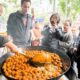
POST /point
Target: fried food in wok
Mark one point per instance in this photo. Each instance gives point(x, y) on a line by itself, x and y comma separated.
point(42, 58)
point(17, 67)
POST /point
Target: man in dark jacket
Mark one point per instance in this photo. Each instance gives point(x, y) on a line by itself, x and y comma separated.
point(20, 24)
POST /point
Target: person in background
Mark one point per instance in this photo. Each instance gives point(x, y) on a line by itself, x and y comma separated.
point(51, 33)
point(67, 37)
point(36, 34)
point(5, 42)
point(76, 47)
point(20, 24)
point(76, 38)
point(67, 43)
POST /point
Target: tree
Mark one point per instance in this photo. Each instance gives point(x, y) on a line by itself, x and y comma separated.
point(69, 8)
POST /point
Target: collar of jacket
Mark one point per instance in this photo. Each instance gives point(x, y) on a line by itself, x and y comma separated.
point(19, 14)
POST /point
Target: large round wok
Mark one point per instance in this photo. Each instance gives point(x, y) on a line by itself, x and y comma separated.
point(65, 60)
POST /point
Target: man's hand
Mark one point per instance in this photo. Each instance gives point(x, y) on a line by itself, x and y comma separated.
point(12, 47)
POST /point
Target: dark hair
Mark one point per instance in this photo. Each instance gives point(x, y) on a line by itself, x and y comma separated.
point(70, 23)
point(56, 15)
point(22, 1)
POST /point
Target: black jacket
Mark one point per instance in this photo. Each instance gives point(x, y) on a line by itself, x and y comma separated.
point(50, 37)
point(56, 39)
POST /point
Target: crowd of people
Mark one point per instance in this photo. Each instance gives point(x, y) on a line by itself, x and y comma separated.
point(23, 32)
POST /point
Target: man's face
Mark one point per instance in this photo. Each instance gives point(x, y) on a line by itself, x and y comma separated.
point(66, 26)
point(26, 7)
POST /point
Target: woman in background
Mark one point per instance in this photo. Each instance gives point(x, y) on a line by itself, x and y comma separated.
point(52, 32)
point(67, 43)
